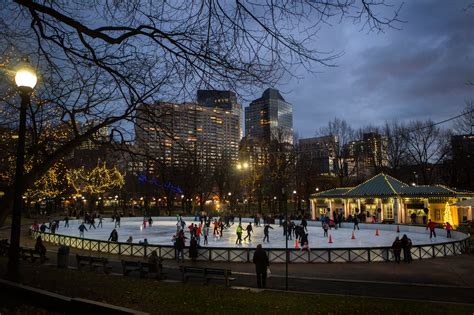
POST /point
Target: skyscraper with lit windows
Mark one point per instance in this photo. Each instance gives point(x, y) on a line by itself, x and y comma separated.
point(269, 117)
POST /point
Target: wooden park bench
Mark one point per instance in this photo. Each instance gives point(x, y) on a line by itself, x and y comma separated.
point(93, 262)
point(31, 254)
point(143, 268)
point(206, 274)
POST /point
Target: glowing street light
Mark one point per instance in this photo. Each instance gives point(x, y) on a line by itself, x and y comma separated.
point(25, 80)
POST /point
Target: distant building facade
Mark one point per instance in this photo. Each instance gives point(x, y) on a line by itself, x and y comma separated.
point(180, 134)
point(269, 117)
point(320, 152)
point(367, 156)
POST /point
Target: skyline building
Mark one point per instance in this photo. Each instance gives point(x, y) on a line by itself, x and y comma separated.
point(182, 134)
point(269, 117)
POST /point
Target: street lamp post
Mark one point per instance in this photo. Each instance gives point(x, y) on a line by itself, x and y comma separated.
point(25, 80)
point(286, 237)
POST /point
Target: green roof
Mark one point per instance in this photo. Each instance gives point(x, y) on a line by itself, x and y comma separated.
point(379, 185)
point(383, 185)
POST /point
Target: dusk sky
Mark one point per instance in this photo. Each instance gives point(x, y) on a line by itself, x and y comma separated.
point(417, 72)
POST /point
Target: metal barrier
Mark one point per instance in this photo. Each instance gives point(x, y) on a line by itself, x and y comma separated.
point(275, 255)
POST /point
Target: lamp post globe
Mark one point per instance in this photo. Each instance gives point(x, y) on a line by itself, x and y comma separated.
point(25, 79)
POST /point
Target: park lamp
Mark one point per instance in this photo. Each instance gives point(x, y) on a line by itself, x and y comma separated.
point(25, 77)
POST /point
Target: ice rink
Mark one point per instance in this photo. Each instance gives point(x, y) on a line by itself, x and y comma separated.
point(161, 233)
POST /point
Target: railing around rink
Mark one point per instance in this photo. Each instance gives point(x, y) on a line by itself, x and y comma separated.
point(276, 255)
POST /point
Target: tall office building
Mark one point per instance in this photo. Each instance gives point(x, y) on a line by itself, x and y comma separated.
point(319, 152)
point(225, 102)
point(181, 134)
point(269, 117)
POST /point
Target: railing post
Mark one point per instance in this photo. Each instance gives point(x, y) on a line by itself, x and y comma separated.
point(368, 254)
point(329, 255)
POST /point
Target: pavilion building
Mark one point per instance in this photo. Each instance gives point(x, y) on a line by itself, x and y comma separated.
point(393, 201)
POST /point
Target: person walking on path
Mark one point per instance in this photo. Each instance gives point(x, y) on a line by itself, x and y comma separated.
point(265, 232)
point(113, 236)
point(249, 230)
point(449, 227)
point(260, 259)
point(356, 223)
point(432, 226)
point(81, 229)
point(406, 246)
point(40, 249)
point(239, 235)
point(397, 249)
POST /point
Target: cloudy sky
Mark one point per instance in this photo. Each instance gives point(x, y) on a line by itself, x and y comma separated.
point(417, 72)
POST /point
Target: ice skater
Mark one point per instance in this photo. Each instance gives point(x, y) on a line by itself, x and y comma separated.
point(325, 228)
point(81, 229)
point(449, 227)
point(265, 232)
point(239, 235)
point(66, 221)
point(206, 233)
point(356, 223)
point(432, 226)
point(113, 236)
point(117, 221)
point(100, 221)
point(249, 230)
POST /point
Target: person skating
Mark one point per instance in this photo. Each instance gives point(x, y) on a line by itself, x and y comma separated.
point(113, 236)
point(66, 221)
point(260, 259)
point(206, 233)
point(397, 248)
point(356, 223)
point(265, 233)
point(117, 221)
point(249, 230)
point(100, 221)
point(304, 223)
point(130, 239)
point(449, 227)
point(406, 246)
point(91, 223)
point(81, 229)
point(325, 228)
point(432, 226)
point(239, 235)
point(150, 221)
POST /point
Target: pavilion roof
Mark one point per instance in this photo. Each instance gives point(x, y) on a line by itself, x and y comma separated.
point(384, 186)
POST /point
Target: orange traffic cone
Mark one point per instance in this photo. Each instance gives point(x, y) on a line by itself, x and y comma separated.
point(330, 239)
point(398, 228)
point(353, 235)
point(296, 244)
point(376, 232)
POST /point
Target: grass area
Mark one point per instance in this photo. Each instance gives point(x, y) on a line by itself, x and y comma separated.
point(158, 297)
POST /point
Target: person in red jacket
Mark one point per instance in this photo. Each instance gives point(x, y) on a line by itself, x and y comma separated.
point(431, 225)
point(449, 227)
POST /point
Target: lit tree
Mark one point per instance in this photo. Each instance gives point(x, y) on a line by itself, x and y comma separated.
point(96, 181)
point(447, 214)
point(52, 184)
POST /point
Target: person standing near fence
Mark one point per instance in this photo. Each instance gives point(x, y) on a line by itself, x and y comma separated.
point(260, 259)
point(406, 246)
point(397, 249)
point(113, 236)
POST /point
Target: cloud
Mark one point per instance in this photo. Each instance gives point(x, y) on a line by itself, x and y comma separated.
point(418, 72)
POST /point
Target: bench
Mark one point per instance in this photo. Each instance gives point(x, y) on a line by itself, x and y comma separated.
point(206, 274)
point(143, 268)
point(93, 262)
point(31, 254)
